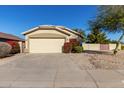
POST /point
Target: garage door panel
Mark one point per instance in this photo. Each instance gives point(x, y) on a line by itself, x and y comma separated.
point(46, 45)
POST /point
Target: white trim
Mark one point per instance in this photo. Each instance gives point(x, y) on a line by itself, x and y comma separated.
point(30, 30)
point(71, 30)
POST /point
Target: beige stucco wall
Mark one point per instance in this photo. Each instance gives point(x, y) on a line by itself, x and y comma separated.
point(21, 47)
point(112, 46)
point(91, 46)
point(97, 46)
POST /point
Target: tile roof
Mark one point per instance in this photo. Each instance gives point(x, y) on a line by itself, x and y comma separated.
point(9, 36)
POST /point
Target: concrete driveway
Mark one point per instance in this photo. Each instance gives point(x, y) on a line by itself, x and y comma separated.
point(55, 70)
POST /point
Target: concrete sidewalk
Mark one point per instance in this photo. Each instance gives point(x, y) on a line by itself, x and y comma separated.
point(56, 70)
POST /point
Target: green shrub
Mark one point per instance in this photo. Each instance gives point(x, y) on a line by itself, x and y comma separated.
point(122, 47)
point(77, 49)
point(5, 49)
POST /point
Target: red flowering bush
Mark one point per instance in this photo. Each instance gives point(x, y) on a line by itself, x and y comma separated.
point(67, 47)
point(74, 42)
point(15, 47)
point(70, 46)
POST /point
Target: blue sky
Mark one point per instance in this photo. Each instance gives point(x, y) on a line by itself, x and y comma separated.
point(17, 19)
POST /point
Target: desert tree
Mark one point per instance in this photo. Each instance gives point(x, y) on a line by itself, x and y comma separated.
point(111, 19)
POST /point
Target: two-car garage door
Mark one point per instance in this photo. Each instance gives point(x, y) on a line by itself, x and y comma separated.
point(39, 45)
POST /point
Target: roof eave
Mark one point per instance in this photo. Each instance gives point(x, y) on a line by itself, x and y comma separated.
point(40, 27)
point(29, 31)
point(52, 27)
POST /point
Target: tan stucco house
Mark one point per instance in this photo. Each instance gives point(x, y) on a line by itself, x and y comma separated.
point(48, 38)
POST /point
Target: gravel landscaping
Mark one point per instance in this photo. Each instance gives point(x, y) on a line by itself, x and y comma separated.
point(104, 61)
point(99, 60)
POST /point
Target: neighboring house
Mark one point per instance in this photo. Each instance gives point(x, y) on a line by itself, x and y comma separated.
point(8, 37)
point(49, 38)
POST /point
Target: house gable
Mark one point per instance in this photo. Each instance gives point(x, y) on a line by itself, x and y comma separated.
point(46, 33)
point(45, 29)
point(60, 29)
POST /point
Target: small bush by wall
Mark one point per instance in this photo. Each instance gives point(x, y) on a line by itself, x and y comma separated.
point(15, 47)
point(5, 49)
point(122, 47)
point(77, 49)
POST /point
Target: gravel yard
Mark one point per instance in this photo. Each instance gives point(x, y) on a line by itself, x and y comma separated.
point(106, 61)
